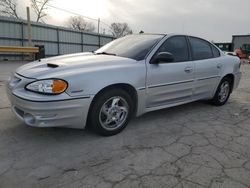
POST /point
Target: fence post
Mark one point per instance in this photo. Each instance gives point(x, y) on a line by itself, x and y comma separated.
point(22, 38)
point(99, 40)
point(82, 41)
point(58, 41)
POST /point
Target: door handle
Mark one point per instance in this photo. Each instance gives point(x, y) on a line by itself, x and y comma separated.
point(188, 69)
point(219, 66)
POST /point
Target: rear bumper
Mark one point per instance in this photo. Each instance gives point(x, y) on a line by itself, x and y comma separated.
point(237, 78)
point(70, 113)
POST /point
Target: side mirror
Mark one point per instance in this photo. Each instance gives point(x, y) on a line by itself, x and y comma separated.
point(162, 57)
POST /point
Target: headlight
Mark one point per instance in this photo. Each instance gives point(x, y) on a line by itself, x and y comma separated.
point(50, 86)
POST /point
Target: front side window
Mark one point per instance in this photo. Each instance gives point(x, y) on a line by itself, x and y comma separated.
point(176, 46)
point(201, 49)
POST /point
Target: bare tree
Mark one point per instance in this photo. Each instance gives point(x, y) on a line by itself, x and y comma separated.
point(9, 8)
point(120, 29)
point(79, 23)
point(40, 7)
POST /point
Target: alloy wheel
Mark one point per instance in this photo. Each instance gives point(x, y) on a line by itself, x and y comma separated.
point(224, 91)
point(113, 113)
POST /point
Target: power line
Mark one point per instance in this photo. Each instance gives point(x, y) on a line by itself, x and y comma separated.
point(105, 24)
point(77, 14)
point(71, 12)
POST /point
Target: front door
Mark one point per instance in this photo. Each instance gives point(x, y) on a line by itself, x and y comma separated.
point(171, 83)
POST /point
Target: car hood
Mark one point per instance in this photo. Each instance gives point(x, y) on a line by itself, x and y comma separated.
point(68, 63)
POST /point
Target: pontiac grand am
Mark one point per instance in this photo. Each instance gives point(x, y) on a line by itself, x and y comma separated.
point(126, 77)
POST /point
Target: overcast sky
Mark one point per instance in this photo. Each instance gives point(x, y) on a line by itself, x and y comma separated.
point(215, 20)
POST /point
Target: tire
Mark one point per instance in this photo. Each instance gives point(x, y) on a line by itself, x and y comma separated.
point(110, 112)
point(221, 96)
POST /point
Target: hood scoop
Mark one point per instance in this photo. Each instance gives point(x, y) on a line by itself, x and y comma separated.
point(52, 65)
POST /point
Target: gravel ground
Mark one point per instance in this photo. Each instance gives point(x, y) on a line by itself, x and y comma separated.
point(193, 145)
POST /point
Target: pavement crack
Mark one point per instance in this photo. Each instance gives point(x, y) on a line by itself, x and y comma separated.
point(1, 108)
point(69, 170)
point(43, 178)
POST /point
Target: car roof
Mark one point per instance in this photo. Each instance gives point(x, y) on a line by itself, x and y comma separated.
point(156, 34)
point(170, 34)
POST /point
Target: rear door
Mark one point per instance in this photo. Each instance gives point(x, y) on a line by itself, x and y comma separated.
point(207, 67)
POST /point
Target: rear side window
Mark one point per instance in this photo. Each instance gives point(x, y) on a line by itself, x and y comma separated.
point(201, 49)
point(176, 46)
point(216, 52)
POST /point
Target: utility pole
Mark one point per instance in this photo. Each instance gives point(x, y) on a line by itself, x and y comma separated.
point(29, 26)
point(98, 27)
point(99, 36)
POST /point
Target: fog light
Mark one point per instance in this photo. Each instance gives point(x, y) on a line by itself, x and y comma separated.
point(29, 119)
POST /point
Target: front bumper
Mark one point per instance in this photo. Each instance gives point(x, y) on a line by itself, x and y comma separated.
point(71, 113)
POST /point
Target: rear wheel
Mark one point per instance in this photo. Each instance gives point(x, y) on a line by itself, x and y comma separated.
point(223, 92)
point(111, 112)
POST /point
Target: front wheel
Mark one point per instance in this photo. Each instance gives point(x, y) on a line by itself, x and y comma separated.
point(223, 92)
point(111, 112)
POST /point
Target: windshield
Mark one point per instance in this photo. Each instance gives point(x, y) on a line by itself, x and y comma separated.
point(131, 46)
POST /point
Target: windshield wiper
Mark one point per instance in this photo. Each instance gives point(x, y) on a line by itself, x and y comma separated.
point(104, 53)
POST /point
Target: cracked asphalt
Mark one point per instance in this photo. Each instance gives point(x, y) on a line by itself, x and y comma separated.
point(193, 145)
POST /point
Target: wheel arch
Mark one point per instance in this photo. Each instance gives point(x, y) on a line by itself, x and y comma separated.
point(124, 86)
point(231, 77)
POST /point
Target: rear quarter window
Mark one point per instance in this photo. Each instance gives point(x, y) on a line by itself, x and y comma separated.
point(216, 52)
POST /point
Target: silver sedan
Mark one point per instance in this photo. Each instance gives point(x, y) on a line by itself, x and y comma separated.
point(129, 76)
